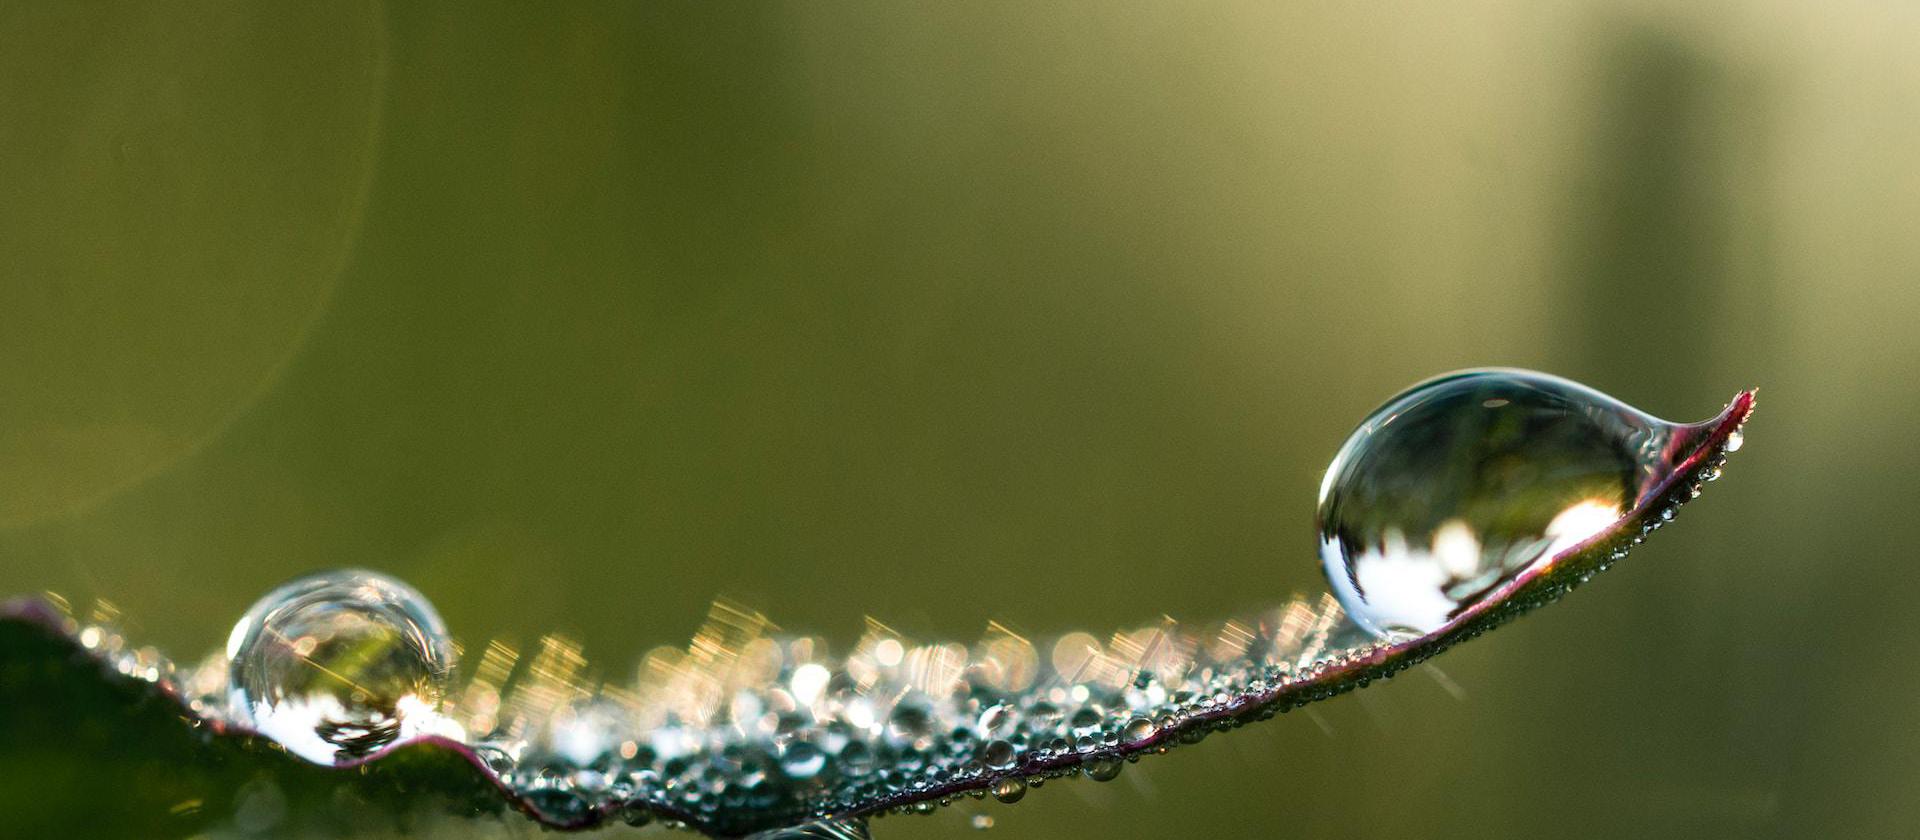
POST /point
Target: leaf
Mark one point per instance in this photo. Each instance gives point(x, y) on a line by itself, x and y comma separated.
point(87, 750)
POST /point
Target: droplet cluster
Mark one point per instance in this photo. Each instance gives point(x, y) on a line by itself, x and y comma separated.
point(744, 727)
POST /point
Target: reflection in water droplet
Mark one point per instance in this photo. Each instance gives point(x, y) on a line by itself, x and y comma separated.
point(1104, 768)
point(802, 761)
point(337, 665)
point(999, 755)
point(1464, 482)
point(1010, 790)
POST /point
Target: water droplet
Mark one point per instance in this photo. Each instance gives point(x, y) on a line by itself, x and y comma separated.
point(999, 755)
point(802, 761)
point(339, 664)
point(911, 725)
point(999, 721)
point(1736, 440)
point(1009, 790)
point(981, 822)
point(1087, 720)
point(1139, 729)
point(1104, 768)
point(1461, 484)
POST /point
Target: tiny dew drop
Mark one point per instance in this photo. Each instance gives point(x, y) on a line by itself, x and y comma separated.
point(338, 664)
point(1463, 483)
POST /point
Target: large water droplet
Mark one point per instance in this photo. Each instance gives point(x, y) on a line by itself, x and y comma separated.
point(1463, 482)
point(339, 664)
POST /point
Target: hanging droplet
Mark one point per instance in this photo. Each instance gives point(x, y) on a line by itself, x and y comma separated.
point(339, 664)
point(1010, 789)
point(1462, 483)
point(1103, 768)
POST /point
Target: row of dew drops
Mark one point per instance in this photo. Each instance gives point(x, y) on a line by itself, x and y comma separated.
point(745, 728)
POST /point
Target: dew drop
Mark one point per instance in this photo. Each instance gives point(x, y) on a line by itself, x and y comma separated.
point(1139, 729)
point(999, 721)
point(999, 755)
point(1104, 768)
point(336, 665)
point(1461, 484)
point(1010, 790)
point(802, 761)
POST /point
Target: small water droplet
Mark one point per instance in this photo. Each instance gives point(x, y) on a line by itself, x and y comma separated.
point(802, 761)
point(1010, 789)
point(981, 822)
point(1104, 768)
point(1736, 440)
point(999, 721)
point(999, 755)
point(1462, 483)
point(1139, 729)
point(339, 664)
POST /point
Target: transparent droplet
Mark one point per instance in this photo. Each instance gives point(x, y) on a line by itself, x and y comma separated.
point(1464, 482)
point(1009, 790)
point(999, 755)
point(339, 664)
point(1104, 768)
point(802, 761)
point(999, 721)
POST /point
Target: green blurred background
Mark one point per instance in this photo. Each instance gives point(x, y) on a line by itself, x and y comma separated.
point(578, 316)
